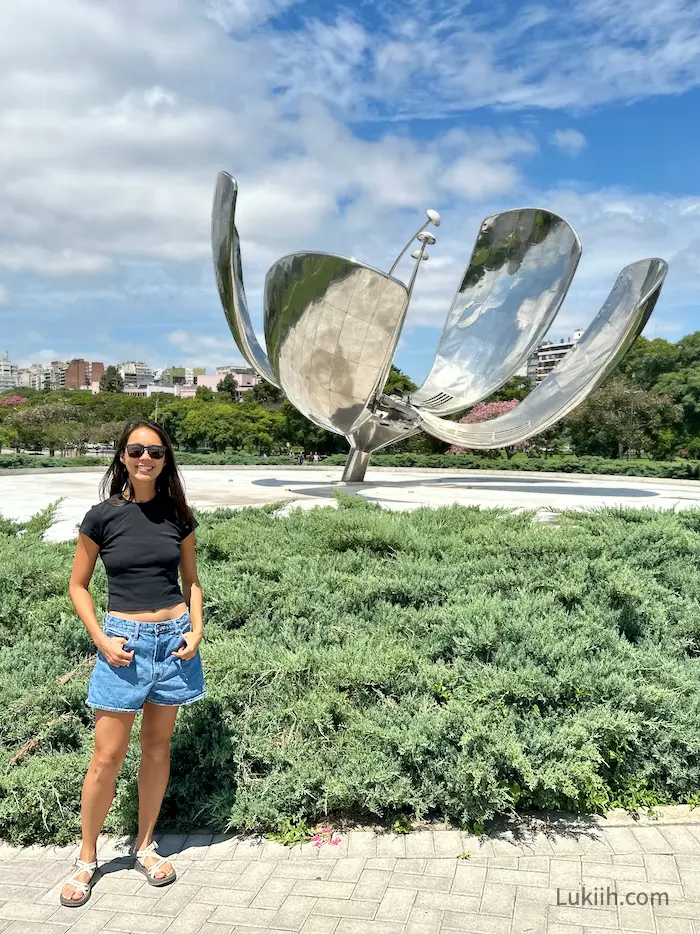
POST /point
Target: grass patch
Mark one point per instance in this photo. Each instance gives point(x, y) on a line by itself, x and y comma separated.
point(452, 663)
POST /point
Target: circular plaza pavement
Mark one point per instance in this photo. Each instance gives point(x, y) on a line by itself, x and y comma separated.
point(24, 492)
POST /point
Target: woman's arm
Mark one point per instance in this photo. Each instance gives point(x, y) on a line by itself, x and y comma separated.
point(86, 552)
point(191, 590)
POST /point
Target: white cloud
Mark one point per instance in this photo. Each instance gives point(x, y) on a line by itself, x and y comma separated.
point(114, 159)
point(199, 349)
point(432, 59)
point(571, 141)
point(44, 356)
point(616, 227)
point(18, 257)
point(4, 295)
point(236, 16)
point(114, 119)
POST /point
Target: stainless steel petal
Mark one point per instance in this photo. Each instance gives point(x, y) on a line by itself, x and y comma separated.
point(607, 339)
point(520, 270)
point(229, 275)
point(331, 326)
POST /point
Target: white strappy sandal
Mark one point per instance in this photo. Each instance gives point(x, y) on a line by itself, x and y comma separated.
point(84, 887)
point(150, 873)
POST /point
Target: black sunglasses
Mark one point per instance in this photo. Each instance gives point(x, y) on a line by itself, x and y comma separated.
point(156, 451)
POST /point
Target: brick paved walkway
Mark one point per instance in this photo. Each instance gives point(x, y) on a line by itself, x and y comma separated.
point(517, 881)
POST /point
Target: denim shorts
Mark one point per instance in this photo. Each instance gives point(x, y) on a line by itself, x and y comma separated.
point(153, 675)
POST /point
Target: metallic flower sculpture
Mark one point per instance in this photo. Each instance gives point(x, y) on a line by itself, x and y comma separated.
point(332, 325)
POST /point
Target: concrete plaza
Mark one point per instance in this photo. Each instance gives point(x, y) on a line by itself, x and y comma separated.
point(526, 878)
point(24, 492)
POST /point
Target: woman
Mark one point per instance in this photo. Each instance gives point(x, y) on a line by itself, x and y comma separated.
point(148, 647)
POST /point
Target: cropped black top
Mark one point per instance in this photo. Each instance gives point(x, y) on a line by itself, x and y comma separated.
point(140, 549)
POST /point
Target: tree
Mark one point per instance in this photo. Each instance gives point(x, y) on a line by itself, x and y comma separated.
point(618, 421)
point(111, 380)
point(482, 412)
point(266, 394)
point(11, 402)
point(228, 387)
point(398, 383)
point(689, 349)
point(648, 360)
point(517, 387)
point(302, 433)
point(24, 391)
point(683, 387)
point(107, 433)
point(35, 424)
point(204, 394)
point(8, 437)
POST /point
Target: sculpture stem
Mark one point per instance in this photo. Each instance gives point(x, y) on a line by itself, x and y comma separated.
point(406, 248)
point(356, 466)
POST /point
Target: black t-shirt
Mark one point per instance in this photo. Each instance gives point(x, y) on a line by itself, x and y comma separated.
point(140, 549)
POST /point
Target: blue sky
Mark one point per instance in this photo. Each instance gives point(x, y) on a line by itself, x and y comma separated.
point(343, 122)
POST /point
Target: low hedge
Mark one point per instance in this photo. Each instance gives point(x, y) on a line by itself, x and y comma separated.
point(450, 663)
point(674, 470)
point(9, 461)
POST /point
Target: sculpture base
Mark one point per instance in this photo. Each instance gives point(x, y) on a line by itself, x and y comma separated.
point(356, 466)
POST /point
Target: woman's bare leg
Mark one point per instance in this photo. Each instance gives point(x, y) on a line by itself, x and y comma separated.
point(156, 730)
point(112, 732)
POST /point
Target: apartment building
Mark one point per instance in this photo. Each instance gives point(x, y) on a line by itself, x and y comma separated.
point(245, 376)
point(9, 375)
point(81, 375)
point(548, 355)
point(135, 373)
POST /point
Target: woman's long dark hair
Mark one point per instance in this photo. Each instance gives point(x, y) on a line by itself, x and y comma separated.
point(168, 482)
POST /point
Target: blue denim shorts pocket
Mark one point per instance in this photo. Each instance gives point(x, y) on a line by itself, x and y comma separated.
point(181, 681)
point(154, 673)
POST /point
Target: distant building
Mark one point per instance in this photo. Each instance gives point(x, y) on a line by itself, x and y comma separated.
point(148, 390)
point(182, 375)
point(43, 376)
point(135, 373)
point(9, 375)
point(80, 374)
point(245, 376)
point(95, 373)
point(211, 382)
point(55, 375)
point(548, 355)
point(32, 376)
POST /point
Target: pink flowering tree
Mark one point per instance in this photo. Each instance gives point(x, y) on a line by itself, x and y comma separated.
point(482, 412)
point(11, 402)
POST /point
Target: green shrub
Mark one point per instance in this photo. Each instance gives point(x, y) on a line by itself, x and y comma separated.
point(446, 663)
point(674, 470)
point(9, 461)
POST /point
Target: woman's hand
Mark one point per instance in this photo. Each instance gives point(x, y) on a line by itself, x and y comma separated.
point(190, 647)
point(112, 647)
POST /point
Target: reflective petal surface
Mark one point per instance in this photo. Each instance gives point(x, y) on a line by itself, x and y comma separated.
point(229, 275)
point(521, 267)
point(332, 325)
point(607, 339)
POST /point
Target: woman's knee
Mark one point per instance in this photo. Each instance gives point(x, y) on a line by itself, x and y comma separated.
point(107, 760)
point(155, 748)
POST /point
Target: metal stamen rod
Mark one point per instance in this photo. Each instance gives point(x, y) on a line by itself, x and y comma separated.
point(433, 218)
point(419, 256)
